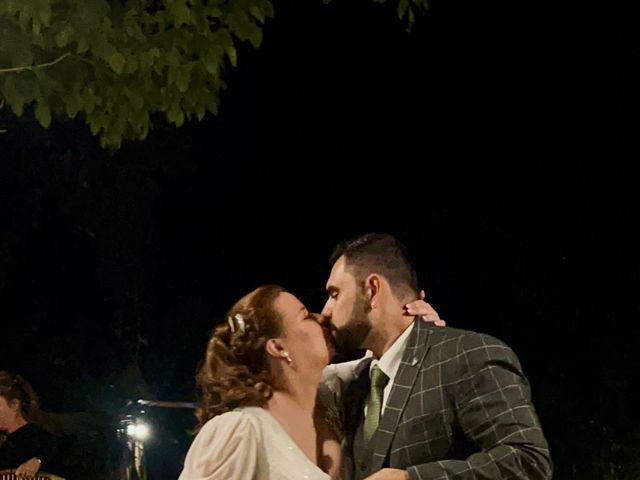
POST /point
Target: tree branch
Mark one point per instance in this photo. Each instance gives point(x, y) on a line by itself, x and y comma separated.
point(33, 67)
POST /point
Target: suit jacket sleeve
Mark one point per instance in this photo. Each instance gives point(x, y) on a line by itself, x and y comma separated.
point(495, 413)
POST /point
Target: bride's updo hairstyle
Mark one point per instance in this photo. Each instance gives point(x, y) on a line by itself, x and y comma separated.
point(235, 371)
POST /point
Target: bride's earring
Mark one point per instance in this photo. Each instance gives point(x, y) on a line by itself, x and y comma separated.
point(288, 357)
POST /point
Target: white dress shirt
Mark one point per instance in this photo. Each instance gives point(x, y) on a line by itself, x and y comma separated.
point(389, 363)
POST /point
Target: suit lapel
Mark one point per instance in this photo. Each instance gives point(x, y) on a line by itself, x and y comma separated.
point(416, 349)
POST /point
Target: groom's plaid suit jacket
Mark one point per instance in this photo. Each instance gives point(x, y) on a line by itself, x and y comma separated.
point(459, 409)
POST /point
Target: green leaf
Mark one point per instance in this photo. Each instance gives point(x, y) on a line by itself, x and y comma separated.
point(116, 62)
point(44, 12)
point(21, 56)
point(175, 115)
point(214, 12)
point(131, 27)
point(182, 79)
point(43, 113)
point(403, 5)
point(200, 111)
point(233, 55)
point(181, 14)
point(64, 36)
point(74, 103)
point(90, 101)
point(146, 59)
point(212, 106)
point(132, 63)
point(241, 25)
point(24, 16)
point(211, 59)
point(256, 37)
point(83, 45)
point(137, 102)
point(12, 95)
point(173, 57)
point(96, 123)
point(180, 119)
point(267, 8)
point(257, 12)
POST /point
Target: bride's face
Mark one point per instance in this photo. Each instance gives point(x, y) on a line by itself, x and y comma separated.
point(303, 336)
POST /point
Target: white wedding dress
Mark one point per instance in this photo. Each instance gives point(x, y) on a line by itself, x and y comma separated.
point(247, 444)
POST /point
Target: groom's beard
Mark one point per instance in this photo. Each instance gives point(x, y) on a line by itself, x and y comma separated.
point(353, 336)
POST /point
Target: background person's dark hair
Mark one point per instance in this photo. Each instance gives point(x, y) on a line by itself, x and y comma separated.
point(235, 371)
point(383, 254)
point(14, 387)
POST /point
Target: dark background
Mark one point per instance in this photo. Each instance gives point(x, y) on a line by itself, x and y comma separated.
point(496, 139)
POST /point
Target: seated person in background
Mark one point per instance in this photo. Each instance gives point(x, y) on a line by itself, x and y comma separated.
point(27, 448)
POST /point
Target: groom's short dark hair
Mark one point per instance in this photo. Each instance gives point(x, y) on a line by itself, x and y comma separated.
point(379, 253)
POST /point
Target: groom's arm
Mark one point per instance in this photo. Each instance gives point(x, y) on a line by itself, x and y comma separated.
point(494, 408)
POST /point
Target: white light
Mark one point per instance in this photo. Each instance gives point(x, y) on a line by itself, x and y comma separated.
point(139, 431)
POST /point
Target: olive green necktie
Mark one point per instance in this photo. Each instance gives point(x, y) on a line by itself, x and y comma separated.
point(374, 402)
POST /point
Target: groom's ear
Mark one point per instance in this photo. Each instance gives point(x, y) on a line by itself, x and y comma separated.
point(274, 347)
point(372, 287)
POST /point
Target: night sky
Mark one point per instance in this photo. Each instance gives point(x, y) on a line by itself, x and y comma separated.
point(496, 139)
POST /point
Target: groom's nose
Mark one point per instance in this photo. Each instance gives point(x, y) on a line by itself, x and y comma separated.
point(327, 310)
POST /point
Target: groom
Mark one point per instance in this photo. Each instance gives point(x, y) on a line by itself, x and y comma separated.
point(426, 402)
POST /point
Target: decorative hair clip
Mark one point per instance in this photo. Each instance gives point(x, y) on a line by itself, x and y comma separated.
point(239, 320)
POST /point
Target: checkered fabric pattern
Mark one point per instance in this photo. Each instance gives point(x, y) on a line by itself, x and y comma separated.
point(459, 409)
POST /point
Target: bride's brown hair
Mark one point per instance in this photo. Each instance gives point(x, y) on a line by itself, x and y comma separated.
point(235, 371)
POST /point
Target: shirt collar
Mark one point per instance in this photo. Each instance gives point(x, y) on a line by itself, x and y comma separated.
point(389, 363)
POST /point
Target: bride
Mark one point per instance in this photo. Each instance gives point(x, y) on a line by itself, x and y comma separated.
point(258, 417)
